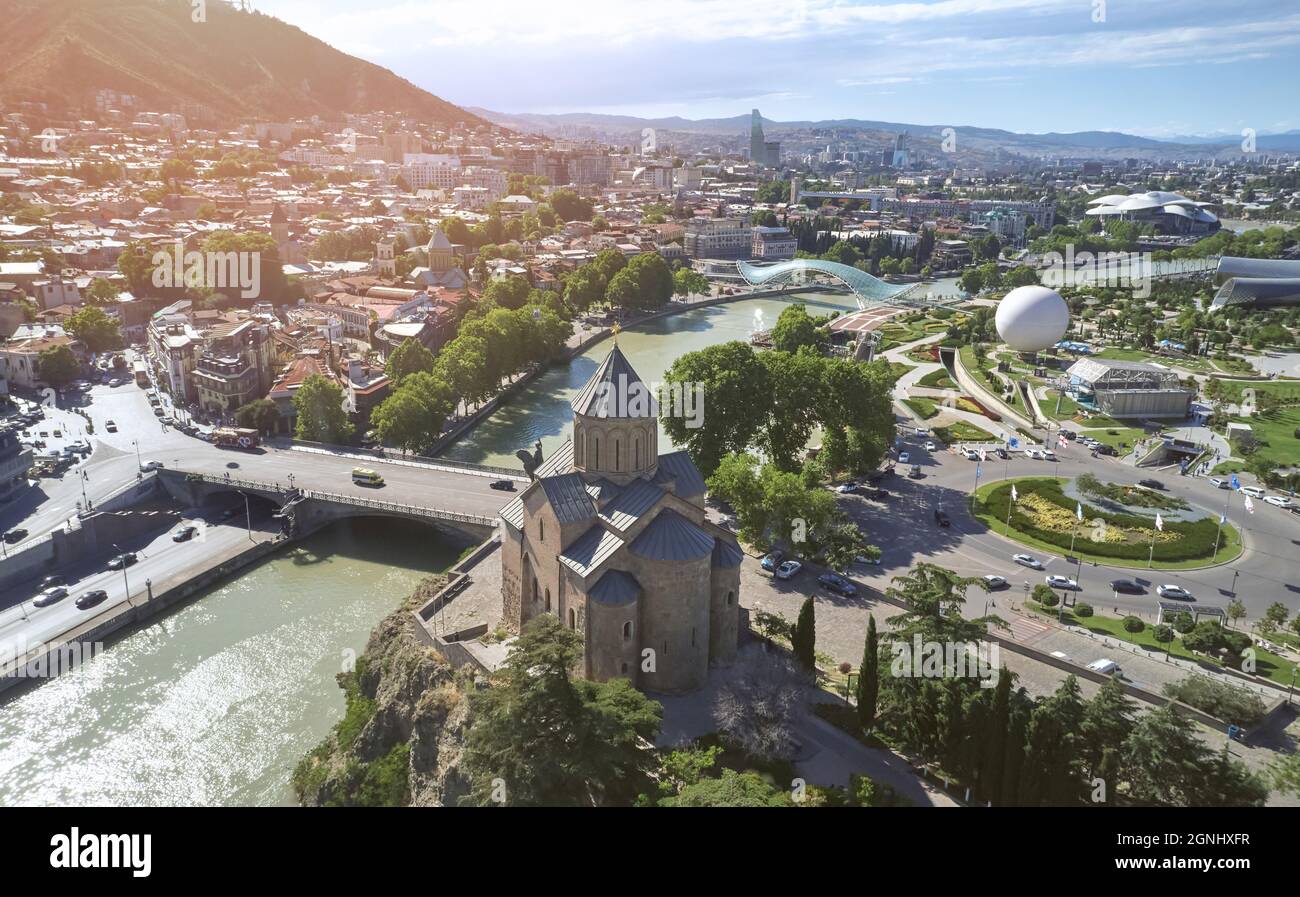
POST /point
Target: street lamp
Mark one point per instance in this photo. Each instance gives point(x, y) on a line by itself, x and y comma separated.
point(125, 582)
point(248, 515)
point(138, 461)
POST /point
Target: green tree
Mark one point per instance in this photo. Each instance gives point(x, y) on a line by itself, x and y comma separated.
point(569, 205)
point(262, 415)
point(731, 789)
point(94, 328)
point(732, 377)
point(795, 328)
point(412, 417)
point(410, 357)
point(321, 418)
point(805, 635)
point(989, 785)
point(585, 288)
point(57, 366)
point(869, 678)
point(688, 282)
point(102, 292)
point(554, 740)
point(1107, 720)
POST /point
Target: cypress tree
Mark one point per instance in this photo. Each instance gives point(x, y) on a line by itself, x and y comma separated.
point(1015, 761)
point(804, 641)
point(995, 740)
point(869, 678)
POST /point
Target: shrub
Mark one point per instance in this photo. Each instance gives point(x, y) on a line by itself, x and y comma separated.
point(1134, 624)
point(1163, 634)
point(1083, 610)
point(1182, 622)
point(1232, 705)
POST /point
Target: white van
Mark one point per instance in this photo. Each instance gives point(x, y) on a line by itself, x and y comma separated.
point(1104, 666)
point(1252, 491)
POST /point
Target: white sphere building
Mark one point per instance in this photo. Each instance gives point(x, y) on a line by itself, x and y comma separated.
point(1031, 318)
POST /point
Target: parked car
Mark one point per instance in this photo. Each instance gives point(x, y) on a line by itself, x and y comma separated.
point(91, 598)
point(788, 569)
point(838, 584)
point(1062, 582)
point(1104, 665)
point(1102, 449)
point(15, 535)
point(1027, 560)
point(930, 446)
point(971, 455)
point(870, 562)
point(1069, 434)
point(1218, 483)
point(996, 582)
point(50, 595)
point(921, 431)
point(1127, 586)
point(1048, 455)
point(941, 517)
point(1172, 591)
point(118, 562)
point(915, 472)
point(1152, 484)
point(1002, 453)
point(772, 560)
point(847, 488)
point(185, 533)
point(1278, 501)
point(903, 457)
point(503, 485)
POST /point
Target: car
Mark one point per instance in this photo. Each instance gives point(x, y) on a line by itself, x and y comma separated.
point(971, 455)
point(502, 485)
point(1127, 586)
point(151, 465)
point(930, 446)
point(158, 412)
point(788, 569)
point(122, 561)
point(847, 488)
point(1102, 449)
point(1027, 560)
point(903, 457)
point(995, 582)
point(1047, 455)
point(1062, 582)
point(772, 560)
point(870, 562)
point(1278, 501)
point(15, 535)
point(1173, 591)
point(1002, 453)
point(1152, 484)
point(1252, 491)
point(54, 579)
point(833, 582)
point(116, 381)
point(185, 533)
point(1218, 483)
point(50, 595)
point(921, 431)
point(941, 517)
point(1104, 665)
point(91, 598)
point(1068, 434)
point(915, 472)
point(110, 426)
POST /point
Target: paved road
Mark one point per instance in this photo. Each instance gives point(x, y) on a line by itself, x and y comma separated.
point(904, 528)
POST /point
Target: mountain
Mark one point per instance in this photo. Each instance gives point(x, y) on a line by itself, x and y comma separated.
point(241, 65)
point(1101, 144)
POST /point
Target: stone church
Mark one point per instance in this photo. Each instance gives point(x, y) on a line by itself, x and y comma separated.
point(611, 537)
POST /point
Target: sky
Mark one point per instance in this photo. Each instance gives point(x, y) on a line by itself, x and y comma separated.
point(1159, 68)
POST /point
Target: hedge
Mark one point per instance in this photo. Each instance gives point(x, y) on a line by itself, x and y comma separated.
point(1196, 537)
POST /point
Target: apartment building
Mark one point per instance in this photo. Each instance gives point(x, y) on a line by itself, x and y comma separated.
point(718, 238)
point(234, 367)
point(773, 244)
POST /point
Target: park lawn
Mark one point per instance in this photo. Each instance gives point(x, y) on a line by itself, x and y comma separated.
point(1113, 437)
point(1227, 467)
point(1276, 435)
point(897, 369)
point(1229, 549)
point(1232, 365)
point(1267, 664)
point(937, 379)
point(960, 431)
point(1286, 390)
point(1069, 407)
point(968, 361)
point(922, 406)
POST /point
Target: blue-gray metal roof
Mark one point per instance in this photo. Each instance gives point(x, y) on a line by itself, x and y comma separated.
point(615, 588)
point(1258, 292)
point(671, 537)
point(567, 495)
point(726, 553)
point(590, 550)
point(610, 393)
point(1236, 266)
point(865, 288)
point(677, 467)
point(638, 498)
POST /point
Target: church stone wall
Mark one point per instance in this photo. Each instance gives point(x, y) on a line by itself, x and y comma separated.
point(724, 614)
point(674, 622)
point(611, 655)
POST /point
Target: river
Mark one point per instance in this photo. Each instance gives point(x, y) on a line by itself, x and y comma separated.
point(215, 703)
point(541, 409)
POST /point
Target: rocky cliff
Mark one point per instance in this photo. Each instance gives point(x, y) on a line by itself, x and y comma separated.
point(402, 736)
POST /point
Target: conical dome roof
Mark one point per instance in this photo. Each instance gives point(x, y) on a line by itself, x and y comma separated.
point(615, 390)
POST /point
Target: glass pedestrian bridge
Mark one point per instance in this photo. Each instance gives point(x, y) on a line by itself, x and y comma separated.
point(866, 289)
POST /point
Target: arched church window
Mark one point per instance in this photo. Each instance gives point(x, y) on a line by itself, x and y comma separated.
point(548, 600)
point(573, 619)
point(627, 631)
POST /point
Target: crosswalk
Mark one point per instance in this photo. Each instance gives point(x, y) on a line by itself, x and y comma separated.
point(1025, 630)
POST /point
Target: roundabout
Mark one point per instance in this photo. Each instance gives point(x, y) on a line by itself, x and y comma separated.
point(1045, 515)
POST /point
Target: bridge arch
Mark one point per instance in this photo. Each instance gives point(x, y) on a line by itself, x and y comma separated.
point(865, 288)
